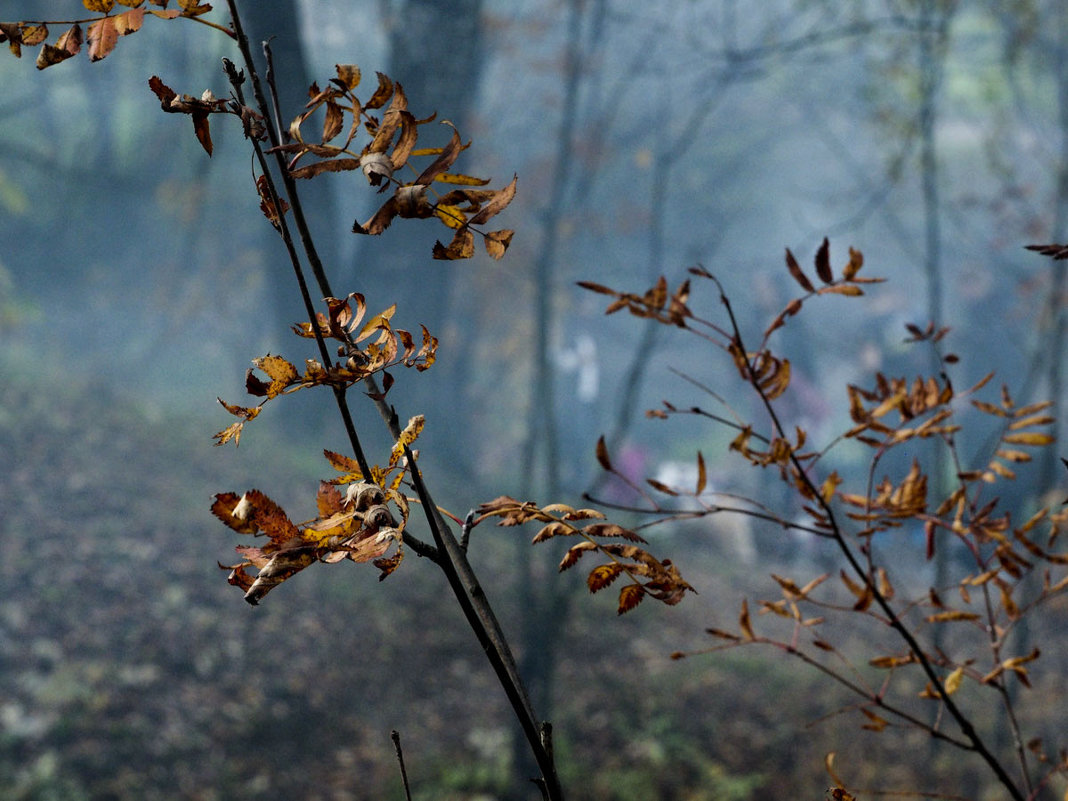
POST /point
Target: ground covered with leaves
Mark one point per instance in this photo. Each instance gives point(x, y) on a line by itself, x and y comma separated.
point(130, 671)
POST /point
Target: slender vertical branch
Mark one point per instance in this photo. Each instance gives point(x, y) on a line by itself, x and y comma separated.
point(298, 216)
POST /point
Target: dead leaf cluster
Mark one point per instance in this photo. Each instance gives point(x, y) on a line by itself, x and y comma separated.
point(648, 576)
point(392, 136)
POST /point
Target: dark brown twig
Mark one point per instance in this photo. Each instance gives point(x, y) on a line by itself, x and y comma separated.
point(400, 761)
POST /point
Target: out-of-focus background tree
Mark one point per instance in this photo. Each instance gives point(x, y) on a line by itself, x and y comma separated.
point(137, 277)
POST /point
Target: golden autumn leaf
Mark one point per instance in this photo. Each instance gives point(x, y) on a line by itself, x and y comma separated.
point(856, 261)
point(841, 289)
point(281, 372)
point(953, 680)
point(603, 575)
point(407, 438)
point(630, 596)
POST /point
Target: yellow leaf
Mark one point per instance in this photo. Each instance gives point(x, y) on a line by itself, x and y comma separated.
point(103, 6)
point(452, 216)
point(1027, 438)
point(407, 437)
point(379, 320)
point(841, 289)
point(457, 178)
point(1033, 420)
point(953, 680)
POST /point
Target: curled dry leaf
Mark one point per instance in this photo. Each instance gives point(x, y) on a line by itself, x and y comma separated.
point(357, 526)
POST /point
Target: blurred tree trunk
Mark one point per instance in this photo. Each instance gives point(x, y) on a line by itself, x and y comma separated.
point(934, 20)
point(1055, 317)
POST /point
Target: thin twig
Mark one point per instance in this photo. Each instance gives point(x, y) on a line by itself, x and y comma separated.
point(400, 761)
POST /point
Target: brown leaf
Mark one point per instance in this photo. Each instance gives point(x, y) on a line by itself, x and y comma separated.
point(333, 121)
point(461, 247)
point(224, 507)
point(382, 93)
point(348, 75)
point(743, 621)
point(602, 455)
point(797, 273)
point(102, 36)
point(856, 261)
point(497, 203)
point(823, 262)
point(31, 34)
point(281, 372)
point(202, 129)
point(442, 163)
point(281, 566)
point(129, 21)
point(497, 242)
point(66, 46)
point(162, 91)
point(267, 204)
point(941, 617)
point(319, 167)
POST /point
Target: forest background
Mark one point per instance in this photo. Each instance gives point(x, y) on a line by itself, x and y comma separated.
point(137, 278)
